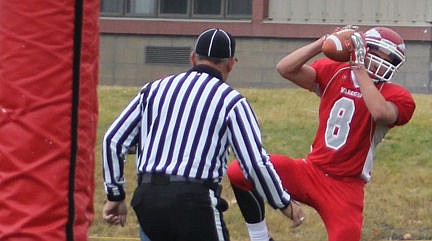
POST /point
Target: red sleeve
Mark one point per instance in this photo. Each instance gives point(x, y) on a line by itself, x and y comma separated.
point(403, 101)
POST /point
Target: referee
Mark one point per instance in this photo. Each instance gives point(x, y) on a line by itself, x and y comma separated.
point(184, 126)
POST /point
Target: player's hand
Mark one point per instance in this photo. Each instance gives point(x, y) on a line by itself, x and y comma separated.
point(294, 212)
point(360, 49)
point(323, 38)
point(115, 212)
point(349, 26)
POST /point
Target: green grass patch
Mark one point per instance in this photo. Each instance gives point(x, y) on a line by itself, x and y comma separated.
point(398, 200)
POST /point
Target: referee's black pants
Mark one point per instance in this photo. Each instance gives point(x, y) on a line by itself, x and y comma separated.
point(180, 211)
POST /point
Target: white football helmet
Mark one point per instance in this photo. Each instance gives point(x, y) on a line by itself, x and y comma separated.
point(386, 53)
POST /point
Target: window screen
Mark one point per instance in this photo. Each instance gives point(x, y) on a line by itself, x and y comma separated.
point(167, 55)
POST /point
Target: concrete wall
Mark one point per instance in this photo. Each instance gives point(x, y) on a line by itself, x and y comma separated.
point(122, 61)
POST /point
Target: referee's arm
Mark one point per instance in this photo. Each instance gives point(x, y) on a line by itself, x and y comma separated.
point(245, 137)
point(122, 134)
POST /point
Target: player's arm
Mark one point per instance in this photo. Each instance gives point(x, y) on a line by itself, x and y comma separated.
point(382, 111)
point(294, 68)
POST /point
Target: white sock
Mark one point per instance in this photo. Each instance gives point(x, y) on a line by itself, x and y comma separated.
point(258, 231)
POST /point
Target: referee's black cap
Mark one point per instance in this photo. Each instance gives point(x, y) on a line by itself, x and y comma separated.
point(215, 43)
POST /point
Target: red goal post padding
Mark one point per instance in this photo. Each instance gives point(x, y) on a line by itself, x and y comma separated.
point(48, 117)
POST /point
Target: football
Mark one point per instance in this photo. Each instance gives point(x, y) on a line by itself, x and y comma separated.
point(338, 45)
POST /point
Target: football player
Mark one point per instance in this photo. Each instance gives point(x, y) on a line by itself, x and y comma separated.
point(358, 105)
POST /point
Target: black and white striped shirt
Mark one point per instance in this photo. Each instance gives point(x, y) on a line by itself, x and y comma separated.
point(184, 125)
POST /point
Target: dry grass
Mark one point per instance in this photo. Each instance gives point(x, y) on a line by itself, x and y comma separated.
point(398, 200)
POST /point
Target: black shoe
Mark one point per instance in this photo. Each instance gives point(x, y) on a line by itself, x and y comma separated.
point(271, 239)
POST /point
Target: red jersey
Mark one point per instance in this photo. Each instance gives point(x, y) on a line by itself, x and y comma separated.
point(347, 135)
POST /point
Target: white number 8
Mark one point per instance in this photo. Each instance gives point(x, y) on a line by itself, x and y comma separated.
point(338, 123)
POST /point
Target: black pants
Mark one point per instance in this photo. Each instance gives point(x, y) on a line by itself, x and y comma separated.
point(180, 211)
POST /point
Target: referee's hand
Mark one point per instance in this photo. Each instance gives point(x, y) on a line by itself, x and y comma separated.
point(115, 212)
point(295, 213)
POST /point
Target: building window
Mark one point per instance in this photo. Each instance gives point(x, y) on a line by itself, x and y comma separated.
point(206, 7)
point(112, 7)
point(239, 8)
point(142, 7)
point(174, 6)
point(225, 9)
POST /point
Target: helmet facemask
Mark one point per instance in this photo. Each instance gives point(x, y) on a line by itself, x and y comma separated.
point(380, 69)
point(384, 57)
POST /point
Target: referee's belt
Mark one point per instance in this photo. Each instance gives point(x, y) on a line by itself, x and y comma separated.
point(163, 179)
